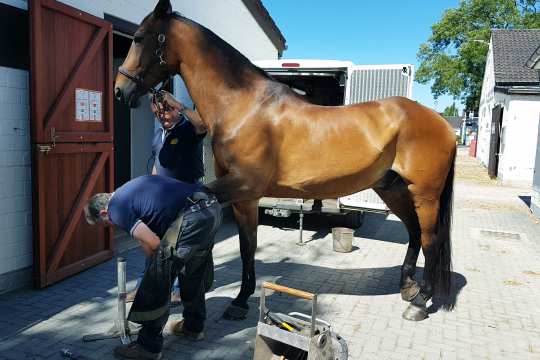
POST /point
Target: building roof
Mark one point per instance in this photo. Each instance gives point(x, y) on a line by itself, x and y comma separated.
point(265, 21)
point(454, 121)
point(511, 50)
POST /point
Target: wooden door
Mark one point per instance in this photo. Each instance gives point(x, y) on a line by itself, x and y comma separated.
point(495, 141)
point(72, 136)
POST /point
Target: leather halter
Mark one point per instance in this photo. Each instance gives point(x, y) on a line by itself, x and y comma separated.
point(158, 59)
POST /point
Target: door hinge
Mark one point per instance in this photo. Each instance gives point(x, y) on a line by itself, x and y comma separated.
point(46, 148)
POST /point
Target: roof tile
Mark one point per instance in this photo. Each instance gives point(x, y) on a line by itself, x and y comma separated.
point(511, 50)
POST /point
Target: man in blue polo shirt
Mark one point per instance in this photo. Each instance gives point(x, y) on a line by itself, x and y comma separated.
point(177, 150)
point(175, 223)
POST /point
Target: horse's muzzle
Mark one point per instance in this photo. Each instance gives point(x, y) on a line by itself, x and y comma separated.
point(128, 96)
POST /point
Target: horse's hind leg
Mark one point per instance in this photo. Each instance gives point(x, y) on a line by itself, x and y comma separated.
point(427, 211)
point(397, 197)
point(246, 215)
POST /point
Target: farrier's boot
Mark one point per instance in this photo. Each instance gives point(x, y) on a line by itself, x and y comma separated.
point(179, 330)
point(135, 351)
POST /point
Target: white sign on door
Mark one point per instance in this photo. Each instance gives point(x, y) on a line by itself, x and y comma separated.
point(88, 105)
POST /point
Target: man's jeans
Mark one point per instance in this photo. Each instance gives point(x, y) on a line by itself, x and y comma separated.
point(195, 268)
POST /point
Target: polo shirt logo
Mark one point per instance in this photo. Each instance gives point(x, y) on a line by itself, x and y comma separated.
point(174, 141)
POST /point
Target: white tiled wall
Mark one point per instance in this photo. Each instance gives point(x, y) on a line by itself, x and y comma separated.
point(15, 172)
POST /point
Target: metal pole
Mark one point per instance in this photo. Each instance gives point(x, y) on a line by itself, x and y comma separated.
point(122, 293)
point(301, 223)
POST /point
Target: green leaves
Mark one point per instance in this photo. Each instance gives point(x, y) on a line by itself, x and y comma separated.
point(453, 58)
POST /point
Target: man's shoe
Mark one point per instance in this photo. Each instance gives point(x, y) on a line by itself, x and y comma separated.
point(179, 330)
point(130, 296)
point(135, 351)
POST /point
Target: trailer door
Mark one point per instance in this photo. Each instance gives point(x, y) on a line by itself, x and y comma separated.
point(368, 83)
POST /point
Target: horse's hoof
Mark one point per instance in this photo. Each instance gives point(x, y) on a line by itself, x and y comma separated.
point(409, 292)
point(415, 313)
point(236, 313)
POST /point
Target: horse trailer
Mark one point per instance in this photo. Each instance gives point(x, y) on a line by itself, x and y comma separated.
point(334, 83)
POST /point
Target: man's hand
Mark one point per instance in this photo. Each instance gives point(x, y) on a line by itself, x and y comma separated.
point(168, 111)
point(147, 238)
point(171, 108)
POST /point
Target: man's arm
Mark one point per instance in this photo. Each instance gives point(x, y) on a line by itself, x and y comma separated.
point(147, 238)
point(195, 118)
point(192, 115)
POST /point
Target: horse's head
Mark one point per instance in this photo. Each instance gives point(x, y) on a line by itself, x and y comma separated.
point(146, 63)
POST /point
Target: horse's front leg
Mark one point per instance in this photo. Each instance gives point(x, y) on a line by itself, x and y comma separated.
point(246, 215)
point(245, 198)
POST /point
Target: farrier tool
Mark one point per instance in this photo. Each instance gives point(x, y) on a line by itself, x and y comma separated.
point(121, 328)
point(295, 336)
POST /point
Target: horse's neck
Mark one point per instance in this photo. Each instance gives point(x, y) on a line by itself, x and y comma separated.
point(208, 79)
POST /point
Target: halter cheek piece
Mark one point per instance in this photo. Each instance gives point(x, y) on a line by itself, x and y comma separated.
point(139, 79)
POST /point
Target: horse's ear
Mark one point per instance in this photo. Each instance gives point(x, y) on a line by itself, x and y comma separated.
point(163, 8)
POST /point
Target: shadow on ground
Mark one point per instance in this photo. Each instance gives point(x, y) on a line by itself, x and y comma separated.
point(355, 282)
point(375, 227)
point(92, 295)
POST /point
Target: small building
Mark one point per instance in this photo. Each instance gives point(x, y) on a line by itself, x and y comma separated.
point(456, 122)
point(509, 107)
point(52, 157)
point(534, 63)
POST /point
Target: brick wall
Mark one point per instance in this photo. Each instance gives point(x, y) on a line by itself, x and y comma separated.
point(15, 180)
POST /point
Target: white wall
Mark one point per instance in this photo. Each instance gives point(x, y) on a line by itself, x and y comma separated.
point(15, 172)
point(487, 103)
point(519, 139)
point(230, 19)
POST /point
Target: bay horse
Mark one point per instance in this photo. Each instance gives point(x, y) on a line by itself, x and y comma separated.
point(269, 141)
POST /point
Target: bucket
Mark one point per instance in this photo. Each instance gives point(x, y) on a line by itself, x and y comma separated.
point(342, 239)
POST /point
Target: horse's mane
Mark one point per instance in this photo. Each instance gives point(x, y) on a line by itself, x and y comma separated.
point(237, 62)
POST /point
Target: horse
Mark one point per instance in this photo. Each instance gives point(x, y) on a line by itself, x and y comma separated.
point(269, 141)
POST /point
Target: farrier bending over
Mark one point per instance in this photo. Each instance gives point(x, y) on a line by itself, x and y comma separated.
point(177, 150)
point(175, 222)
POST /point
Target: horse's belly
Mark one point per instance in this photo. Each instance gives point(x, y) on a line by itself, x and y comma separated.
point(325, 175)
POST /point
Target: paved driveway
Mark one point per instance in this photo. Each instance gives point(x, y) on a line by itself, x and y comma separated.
point(497, 289)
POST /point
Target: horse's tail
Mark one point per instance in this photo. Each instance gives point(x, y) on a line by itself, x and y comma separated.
point(443, 266)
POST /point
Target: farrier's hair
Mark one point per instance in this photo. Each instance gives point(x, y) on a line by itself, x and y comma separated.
point(94, 205)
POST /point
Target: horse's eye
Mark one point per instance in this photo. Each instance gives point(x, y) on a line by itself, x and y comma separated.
point(138, 38)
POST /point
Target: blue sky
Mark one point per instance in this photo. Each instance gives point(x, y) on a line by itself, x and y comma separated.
point(361, 31)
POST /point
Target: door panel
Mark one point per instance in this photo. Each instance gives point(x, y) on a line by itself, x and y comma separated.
point(70, 50)
point(66, 177)
point(72, 159)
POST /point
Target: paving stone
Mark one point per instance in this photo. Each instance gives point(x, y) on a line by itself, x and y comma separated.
point(497, 286)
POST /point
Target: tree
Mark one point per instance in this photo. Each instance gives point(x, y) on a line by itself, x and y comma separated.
point(451, 110)
point(454, 56)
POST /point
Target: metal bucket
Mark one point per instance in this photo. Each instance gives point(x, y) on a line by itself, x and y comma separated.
point(342, 239)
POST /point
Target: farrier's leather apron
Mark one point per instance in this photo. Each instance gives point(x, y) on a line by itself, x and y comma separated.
point(153, 296)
